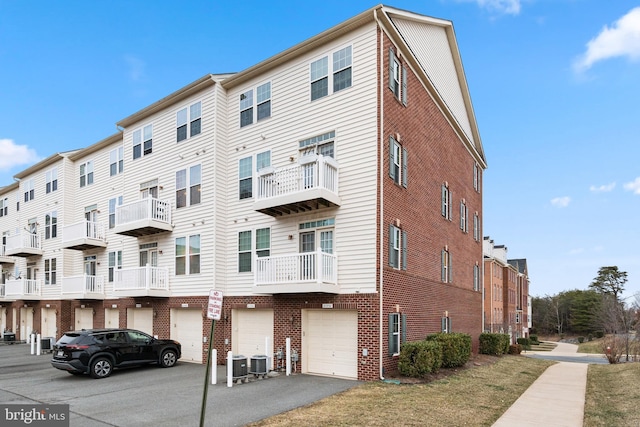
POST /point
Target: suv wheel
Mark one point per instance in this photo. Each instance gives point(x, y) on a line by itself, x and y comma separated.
point(101, 367)
point(168, 358)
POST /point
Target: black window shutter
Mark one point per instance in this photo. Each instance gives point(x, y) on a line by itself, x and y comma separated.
point(404, 167)
point(391, 252)
point(403, 329)
point(404, 86)
point(404, 250)
point(392, 151)
point(392, 58)
point(390, 335)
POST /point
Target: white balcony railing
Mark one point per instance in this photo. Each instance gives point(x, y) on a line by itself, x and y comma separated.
point(142, 210)
point(83, 285)
point(23, 288)
point(84, 230)
point(141, 280)
point(23, 240)
point(311, 172)
point(316, 267)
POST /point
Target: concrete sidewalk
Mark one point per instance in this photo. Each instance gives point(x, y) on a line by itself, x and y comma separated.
point(556, 398)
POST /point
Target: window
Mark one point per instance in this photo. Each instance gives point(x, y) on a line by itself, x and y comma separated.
point(397, 162)
point(188, 121)
point(476, 227)
point(476, 177)
point(319, 144)
point(446, 201)
point(397, 248)
point(476, 277)
point(50, 271)
point(190, 181)
point(112, 210)
point(4, 206)
point(341, 76)
point(262, 108)
point(86, 174)
point(263, 242)
point(447, 270)
point(28, 190)
point(116, 161)
point(397, 77)
point(445, 324)
point(463, 216)
point(115, 263)
point(263, 160)
point(244, 251)
point(245, 175)
point(51, 225)
point(188, 257)
point(397, 332)
point(51, 178)
point(149, 189)
point(142, 141)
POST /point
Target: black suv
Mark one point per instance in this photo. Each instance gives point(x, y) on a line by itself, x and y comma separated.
point(97, 351)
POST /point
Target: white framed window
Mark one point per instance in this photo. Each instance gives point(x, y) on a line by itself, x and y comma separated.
point(188, 186)
point(251, 112)
point(244, 251)
point(116, 201)
point(142, 141)
point(263, 242)
point(51, 180)
point(29, 192)
point(446, 267)
point(189, 121)
point(320, 144)
point(338, 79)
point(4, 207)
point(51, 225)
point(397, 248)
point(446, 201)
point(463, 216)
point(188, 255)
point(115, 263)
point(50, 271)
point(116, 161)
point(397, 162)
point(245, 177)
point(397, 332)
point(397, 77)
point(86, 174)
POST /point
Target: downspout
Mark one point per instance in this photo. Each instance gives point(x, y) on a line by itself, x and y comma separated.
point(381, 227)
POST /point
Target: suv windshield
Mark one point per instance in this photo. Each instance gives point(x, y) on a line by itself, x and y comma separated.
point(74, 339)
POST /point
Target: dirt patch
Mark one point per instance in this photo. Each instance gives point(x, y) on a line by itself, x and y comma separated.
point(476, 361)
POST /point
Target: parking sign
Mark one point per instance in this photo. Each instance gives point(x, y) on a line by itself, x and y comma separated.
point(215, 305)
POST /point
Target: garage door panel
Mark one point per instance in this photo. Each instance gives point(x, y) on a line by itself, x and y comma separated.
point(331, 342)
point(140, 319)
point(186, 328)
point(250, 329)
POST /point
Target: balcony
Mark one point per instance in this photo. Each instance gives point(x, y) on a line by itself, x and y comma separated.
point(309, 185)
point(24, 244)
point(297, 273)
point(143, 217)
point(4, 259)
point(141, 282)
point(25, 289)
point(83, 287)
point(84, 235)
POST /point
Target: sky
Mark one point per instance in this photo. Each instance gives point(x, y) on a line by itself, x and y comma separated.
point(555, 86)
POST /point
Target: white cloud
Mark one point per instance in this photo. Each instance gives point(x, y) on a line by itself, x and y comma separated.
point(561, 202)
point(621, 39)
point(510, 7)
point(15, 155)
point(603, 188)
point(633, 186)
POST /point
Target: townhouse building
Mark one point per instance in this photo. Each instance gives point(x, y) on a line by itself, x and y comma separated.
point(506, 292)
point(332, 192)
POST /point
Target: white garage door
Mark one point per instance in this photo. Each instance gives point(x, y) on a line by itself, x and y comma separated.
point(111, 318)
point(84, 318)
point(48, 326)
point(140, 319)
point(251, 330)
point(330, 343)
point(186, 328)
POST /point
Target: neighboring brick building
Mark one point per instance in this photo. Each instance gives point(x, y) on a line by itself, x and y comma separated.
point(332, 193)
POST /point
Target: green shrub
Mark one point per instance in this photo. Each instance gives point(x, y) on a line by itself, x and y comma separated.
point(599, 334)
point(580, 340)
point(419, 358)
point(590, 337)
point(456, 348)
point(494, 344)
point(525, 343)
point(515, 349)
point(534, 339)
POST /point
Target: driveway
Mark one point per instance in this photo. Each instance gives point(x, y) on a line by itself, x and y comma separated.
point(152, 396)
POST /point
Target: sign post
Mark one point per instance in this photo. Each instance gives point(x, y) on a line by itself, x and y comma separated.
point(214, 310)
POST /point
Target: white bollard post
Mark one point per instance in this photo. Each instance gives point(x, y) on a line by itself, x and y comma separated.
point(288, 356)
point(38, 344)
point(214, 366)
point(229, 369)
point(33, 343)
point(29, 335)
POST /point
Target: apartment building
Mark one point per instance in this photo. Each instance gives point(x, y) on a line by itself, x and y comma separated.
point(333, 193)
point(506, 292)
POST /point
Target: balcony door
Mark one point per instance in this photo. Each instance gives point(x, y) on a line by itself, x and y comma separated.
point(149, 255)
point(308, 245)
point(90, 273)
point(91, 215)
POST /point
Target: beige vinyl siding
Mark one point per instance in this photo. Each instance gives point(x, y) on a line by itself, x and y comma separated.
point(432, 49)
point(293, 118)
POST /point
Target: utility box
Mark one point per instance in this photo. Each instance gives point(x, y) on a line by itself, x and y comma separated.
point(239, 367)
point(259, 365)
point(9, 337)
point(46, 344)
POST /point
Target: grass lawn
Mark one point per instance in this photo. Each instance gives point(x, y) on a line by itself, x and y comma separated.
point(613, 395)
point(476, 396)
